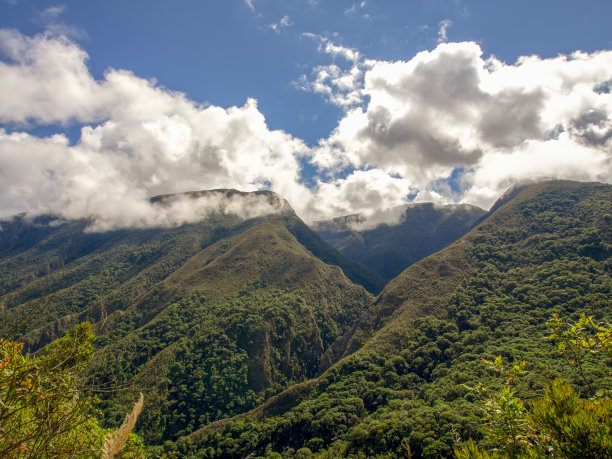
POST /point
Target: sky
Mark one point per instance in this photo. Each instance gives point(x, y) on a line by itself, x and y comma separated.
point(339, 106)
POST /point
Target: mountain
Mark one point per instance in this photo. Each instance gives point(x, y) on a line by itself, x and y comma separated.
point(209, 319)
point(403, 372)
point(388, 249)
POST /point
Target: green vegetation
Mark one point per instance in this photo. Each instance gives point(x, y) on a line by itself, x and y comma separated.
point(95, 275)
point(245, 343)
point(239, 322)
point(47, 405)
point(560, 423)
point(389, 249)
point(207, 320)
point(545, 252)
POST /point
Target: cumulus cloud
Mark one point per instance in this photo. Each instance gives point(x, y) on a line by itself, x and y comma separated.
point(447, 125)
point(45, 80)
point(137, 140)
point(368, 192)
point(340, 83)
point(450, 109)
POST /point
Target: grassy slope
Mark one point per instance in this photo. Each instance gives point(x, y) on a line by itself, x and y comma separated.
point(247, 298)
point(547, 250)
point(271, 308)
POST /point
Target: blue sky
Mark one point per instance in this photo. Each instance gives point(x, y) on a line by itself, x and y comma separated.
point(223, 52)
point(311, 66)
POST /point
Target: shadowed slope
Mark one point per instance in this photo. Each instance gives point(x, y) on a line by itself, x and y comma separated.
point(389, 249)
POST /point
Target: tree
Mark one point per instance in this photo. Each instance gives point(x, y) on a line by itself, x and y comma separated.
point(561, 423)
point(46, 405)
point(44, 409)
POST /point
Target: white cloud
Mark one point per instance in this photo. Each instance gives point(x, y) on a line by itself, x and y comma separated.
point(450, 109)
point(46, 80)
point(443, 27)
point(341, 82)
point(327, 46)
point(283, 24)
point(138, 140)
point(372, 193)
point(563, 157)
point(52, 13)
point(355, 9)
point(249, 3)
point(50, 18)
point(408, 127)
point(347, 53)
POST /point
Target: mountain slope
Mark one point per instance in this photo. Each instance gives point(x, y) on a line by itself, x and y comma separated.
point(420, 345)
point(209, 318)
point(239, 321)
point(92, 274)
point(389, 249)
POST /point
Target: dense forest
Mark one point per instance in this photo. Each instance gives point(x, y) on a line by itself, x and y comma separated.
point(257, 339)
point(422, 343)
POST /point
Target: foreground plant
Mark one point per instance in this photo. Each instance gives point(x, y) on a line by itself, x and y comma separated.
point(561, 423)
point(46, 406)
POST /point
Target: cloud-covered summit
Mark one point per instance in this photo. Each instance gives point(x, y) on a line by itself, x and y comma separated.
point(447, 125)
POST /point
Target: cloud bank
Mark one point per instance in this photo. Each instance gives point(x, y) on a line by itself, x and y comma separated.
point(451, 114)
point(447, 125)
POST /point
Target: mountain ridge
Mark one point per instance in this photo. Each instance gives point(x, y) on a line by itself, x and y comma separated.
point(248, 296)
point(403, 370)
point(388, 249)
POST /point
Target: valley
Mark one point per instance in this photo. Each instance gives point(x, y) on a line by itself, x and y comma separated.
point(262, 336)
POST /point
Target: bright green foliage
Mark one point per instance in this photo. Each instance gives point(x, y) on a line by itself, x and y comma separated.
point(568, 426)
point(581, 341)
point(560, 423)
point(46, 406)
point(471, 451)
point(44, 409)
point(507, 425)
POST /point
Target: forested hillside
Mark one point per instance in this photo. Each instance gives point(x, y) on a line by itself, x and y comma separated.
point(207, 319)
point(388, 249)
point(410, 361)
point(250, 338)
